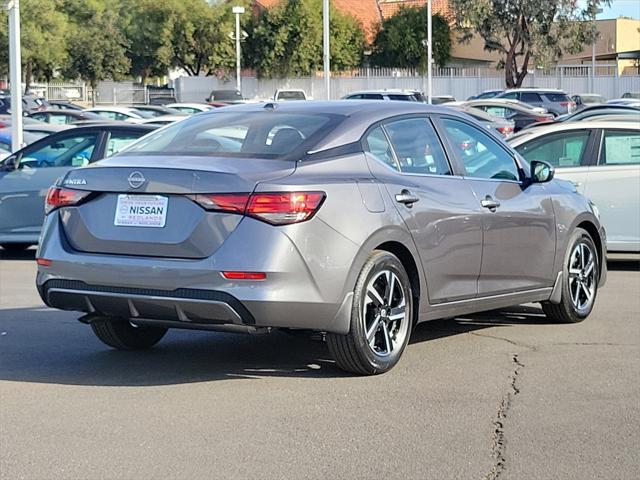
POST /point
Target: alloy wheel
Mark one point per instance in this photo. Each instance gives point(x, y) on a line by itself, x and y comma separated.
point(384, 313)
point(582, 276)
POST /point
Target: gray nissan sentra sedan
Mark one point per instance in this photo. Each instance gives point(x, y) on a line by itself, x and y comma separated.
point(357, 219)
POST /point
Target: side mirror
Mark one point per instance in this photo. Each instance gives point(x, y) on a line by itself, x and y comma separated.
point(541, 172)
point(10, 164)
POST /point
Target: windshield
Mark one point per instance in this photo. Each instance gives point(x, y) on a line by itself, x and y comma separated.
point(263, 134)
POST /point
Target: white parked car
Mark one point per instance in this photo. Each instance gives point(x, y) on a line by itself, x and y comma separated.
point(124, 114)
point(602, 159)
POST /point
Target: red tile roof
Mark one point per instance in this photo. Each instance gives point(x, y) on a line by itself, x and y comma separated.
point(370, 12)
point(389, 7)
point(366, 12)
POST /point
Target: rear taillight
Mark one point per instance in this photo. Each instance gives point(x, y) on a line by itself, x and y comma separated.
point(543, 119)
point(223, 202)
point(281, 208)
point(506, 130)
point(284, 208)
point(62, 197)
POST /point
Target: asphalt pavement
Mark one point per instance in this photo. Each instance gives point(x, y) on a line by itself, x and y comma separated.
point(504, 394)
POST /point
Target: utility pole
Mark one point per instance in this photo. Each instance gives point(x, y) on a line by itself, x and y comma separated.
point(237, 12)
point(429, 53)
point(15, 73)
point(325, 48)
point(593, 51)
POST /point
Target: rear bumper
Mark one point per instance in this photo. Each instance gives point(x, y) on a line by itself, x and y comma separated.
point(183, 305)
point(304, 289)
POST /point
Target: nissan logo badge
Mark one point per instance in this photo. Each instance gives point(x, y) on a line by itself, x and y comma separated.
point(136, 180)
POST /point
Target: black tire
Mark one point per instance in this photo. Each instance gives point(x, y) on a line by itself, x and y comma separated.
point(121, 335)
point(566, 311)
point(353, 352)
point(15, 247)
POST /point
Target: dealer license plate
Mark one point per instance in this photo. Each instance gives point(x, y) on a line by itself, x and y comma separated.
point(141, 211)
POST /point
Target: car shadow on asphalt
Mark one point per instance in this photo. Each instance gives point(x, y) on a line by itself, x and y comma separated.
point(48, 346)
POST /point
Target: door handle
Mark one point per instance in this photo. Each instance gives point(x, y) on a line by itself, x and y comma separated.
point(490, 203)
point(406, 197)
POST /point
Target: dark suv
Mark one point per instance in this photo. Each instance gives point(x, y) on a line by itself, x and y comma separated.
point(556, 102)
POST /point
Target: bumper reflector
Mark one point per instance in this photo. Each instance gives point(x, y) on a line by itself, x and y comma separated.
point(244, 275)
point(44, 262)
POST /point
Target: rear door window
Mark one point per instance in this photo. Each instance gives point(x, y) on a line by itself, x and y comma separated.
point(620, 147)
point(510, 95)
point(417, 147)
point(563, 149)
point(372, 96)
point(530, 97)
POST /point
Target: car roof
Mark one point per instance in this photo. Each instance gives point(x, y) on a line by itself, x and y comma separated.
point(359, 115)
point(535, 89)
point(110, 108)
point(394, 91)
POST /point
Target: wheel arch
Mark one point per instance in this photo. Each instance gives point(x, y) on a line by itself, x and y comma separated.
point(409, 264)
point(398, 241)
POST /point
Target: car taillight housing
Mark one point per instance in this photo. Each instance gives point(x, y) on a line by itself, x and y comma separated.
point(62, 197)
point(275, 208)
point(506, 130)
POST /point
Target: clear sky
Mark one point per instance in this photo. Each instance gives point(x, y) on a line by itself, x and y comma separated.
point(626, 8)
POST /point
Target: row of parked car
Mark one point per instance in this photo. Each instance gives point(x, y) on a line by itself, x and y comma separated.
point(596, 146)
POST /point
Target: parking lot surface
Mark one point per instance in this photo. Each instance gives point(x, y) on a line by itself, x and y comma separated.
point(498, 395)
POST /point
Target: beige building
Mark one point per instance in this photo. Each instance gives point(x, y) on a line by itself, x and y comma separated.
point(618, 42)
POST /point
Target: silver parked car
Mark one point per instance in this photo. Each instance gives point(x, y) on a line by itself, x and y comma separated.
point(602, 159)
point(357, 219)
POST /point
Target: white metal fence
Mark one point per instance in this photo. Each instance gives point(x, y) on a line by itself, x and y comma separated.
point(459, 82)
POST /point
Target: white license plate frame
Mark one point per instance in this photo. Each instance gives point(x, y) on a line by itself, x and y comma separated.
point(146, 211)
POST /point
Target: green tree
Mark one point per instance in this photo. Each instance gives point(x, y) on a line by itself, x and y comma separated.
point(149, 27)
point(400, 41)
point(201, 38)
point(43, 39)
point(523, 31)
point(287, 40)
point(97, 44)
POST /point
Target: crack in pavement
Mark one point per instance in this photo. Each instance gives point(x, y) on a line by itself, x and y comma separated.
point(508, 340)
point(498, 448)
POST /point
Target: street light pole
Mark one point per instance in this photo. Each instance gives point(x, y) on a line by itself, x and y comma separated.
point(429, 53)
point(238, 11)
point(15, 69)
point(325, 48)
point(593, 51)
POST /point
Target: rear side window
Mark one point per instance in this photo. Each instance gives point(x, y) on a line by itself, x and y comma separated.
point(263, 134)
point(620, 147)
point(530, 97)
point(557, 97)
point(510, 95)
point(481, 155)
point(402, 98)
point(378, 146)
point(119, 140)
point(565, 149)
point(417, 147)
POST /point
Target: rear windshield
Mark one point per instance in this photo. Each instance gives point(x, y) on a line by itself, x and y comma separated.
point(264, 134)
point(557, 97)
point(290, 95)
